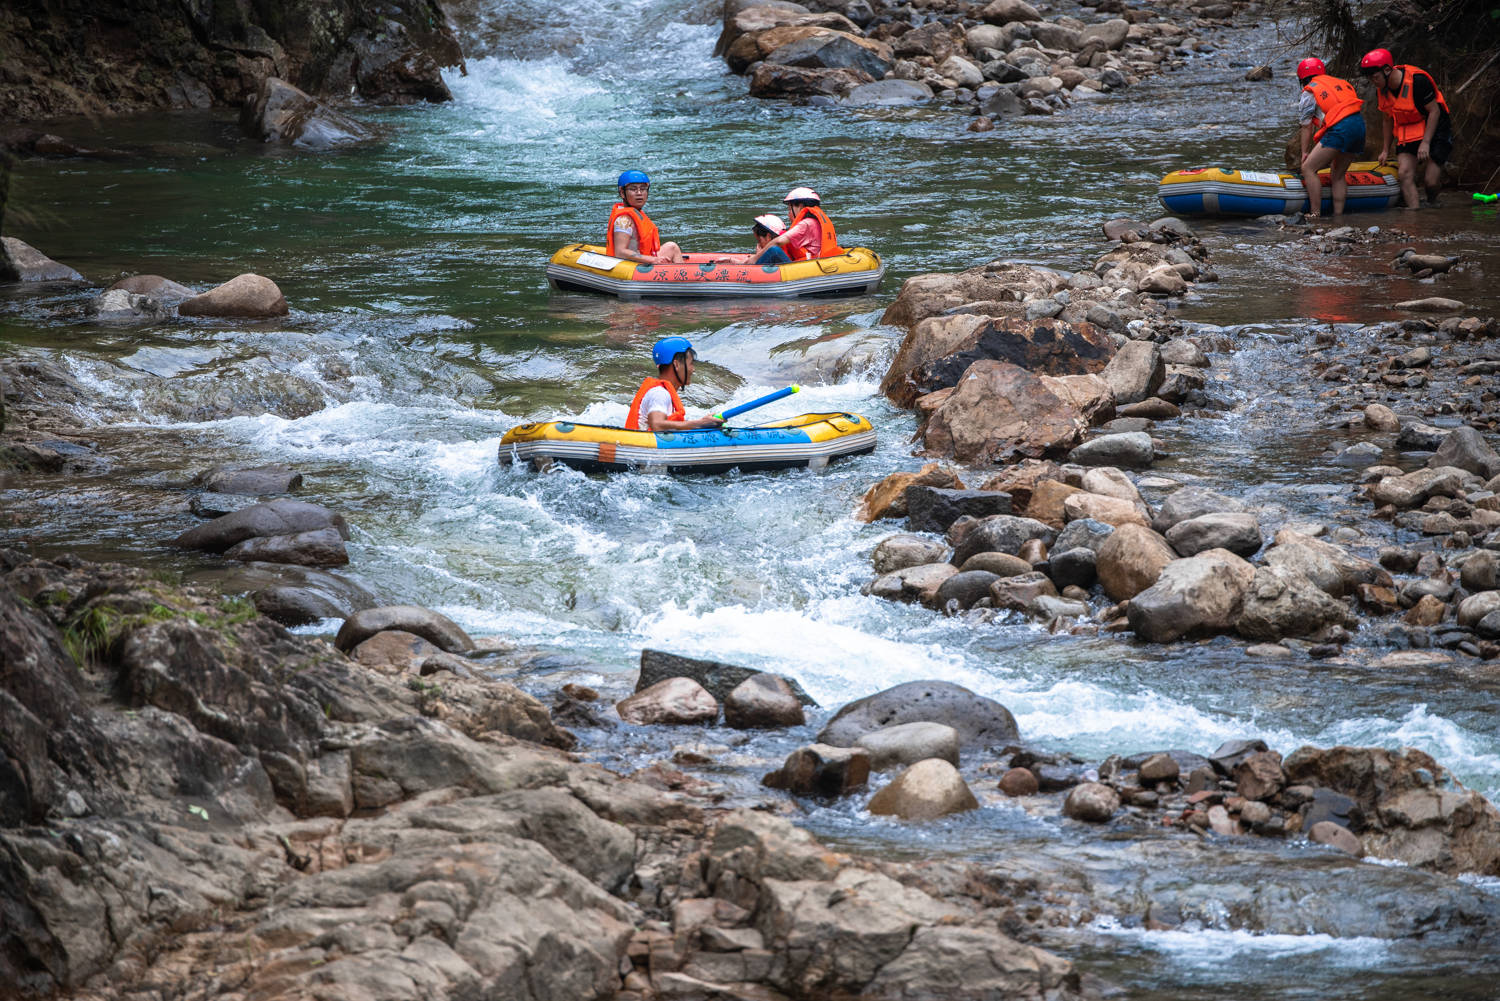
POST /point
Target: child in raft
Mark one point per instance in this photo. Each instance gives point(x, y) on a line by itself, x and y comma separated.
point(767, 228)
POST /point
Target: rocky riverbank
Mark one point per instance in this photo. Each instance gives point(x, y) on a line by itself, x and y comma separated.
point(999, 59)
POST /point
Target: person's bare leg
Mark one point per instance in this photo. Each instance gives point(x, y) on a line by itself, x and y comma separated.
point(1432, 180)
point(1316, 161)
point(1406, 173)
point(1338, 182)
point(671, 252)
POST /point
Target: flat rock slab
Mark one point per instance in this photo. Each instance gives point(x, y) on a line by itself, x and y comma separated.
point(273, 479)
point(1432, 304)
point(432, 626)
point(322, 547)
point(278, 517)
point(980, 722)
point(719, 679)
point(21, 262)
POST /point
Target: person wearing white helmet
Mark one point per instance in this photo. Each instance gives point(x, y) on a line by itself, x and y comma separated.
point(810, 234)
point(767, 228)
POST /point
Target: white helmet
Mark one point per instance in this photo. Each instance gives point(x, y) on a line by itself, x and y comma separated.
point(802, 195)
point(772, 222)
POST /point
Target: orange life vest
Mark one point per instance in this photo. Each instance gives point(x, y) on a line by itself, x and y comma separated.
point(1409, 120)
point(1336, 99)
point(633, 419)
point(827, 240)
point(647, 240)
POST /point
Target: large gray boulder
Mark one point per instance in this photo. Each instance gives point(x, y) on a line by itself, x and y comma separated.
point(980, 722)
point(1135, 372)
point(434, 627)
point(907, 743)
point(1001, 533)
point(1238, 532)
point(718, 678)
point(891, 93)
point(21, 262)
point(1202, 595)
point(277, 517)
point(1465, 448)
point(927, 790)
point(1192, 502)
point(1282, 602)
point(278, 112)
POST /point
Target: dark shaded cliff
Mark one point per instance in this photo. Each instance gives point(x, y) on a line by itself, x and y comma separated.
point(67, 57)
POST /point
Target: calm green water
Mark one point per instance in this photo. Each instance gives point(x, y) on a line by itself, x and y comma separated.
point(422, 329)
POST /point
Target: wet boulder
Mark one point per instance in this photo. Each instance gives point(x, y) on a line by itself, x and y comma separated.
point(392, 67)
point(980, 722)
point(965, 588)
point(1415, 488)
point(901, 551)
point(887, 499)
point(763, 702)
point(21, 262)
point(1201, 595)
point(1282, 603)
point(1330, 567)
point(273, 479)
point(320, 547)
point(1465, 448)
point(1192, 502)
point(1237, 532)
point(1100, 507)
point(393, 651)
point(278, 112)
point(1476, 608)
point(432, 626)
point(1105, 34)
point(673, 702)
point(1411, 808)
point(1259, 775)
point(1085, 532)
point(999, 413)
point(933, 509)
point(161, 289)
point(717, 678)
point(1131, 449)
point(1007, 11)
point(119, 306)
point(773, 80)
point(908, 743)
point(933, 40)
point(890, 93)
point(1089, 394)
point(1048, 501)
point(1001, 533)
point(1131, 560)
point(836, 50)
point(927, 790)
point(1091, 802)
point(247, 296)
point(939, 350)
point(278, 517)
point(919, 583)
point(1135, 372)
point(997, 289)
point(823, 771)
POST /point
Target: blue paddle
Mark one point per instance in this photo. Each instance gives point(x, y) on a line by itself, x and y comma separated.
point(760, 402)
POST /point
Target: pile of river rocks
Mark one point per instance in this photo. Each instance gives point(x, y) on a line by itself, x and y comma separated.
point(147, 298)
point(194, 802)
point(998, 58)
point(1392, 804)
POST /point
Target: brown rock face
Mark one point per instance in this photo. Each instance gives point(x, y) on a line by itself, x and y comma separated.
point(939, 350)
point(999, 413)
point(248, 296)
point(887, 499)
point(1131, 560)
point(775, 80)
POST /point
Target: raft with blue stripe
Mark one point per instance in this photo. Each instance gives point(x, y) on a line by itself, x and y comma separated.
point(1220, 191)
point(805, 441)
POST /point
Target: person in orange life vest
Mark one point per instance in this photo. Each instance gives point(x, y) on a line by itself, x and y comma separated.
point(767, 228)
point(1329, 112)
point(631, 234)
point(1415, 112)
point(656, 406)
point(810, 234)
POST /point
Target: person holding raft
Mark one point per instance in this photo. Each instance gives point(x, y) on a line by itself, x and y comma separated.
point(631, 234)
point(656, 406)
point(810, 234)
point(1329, 112)
point(1413, 109)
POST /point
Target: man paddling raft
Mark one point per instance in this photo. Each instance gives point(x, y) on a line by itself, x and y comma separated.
point(656, 406)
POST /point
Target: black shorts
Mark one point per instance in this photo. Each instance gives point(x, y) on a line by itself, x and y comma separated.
point(1440, 149)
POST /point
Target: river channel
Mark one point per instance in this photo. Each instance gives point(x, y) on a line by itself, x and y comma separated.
point(422, 328)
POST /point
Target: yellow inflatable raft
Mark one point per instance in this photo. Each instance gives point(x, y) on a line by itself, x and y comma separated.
point(1225, 192)
point(808, 440)
point(586, 268)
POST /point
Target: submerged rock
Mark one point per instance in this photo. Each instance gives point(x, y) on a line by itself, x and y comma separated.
point(21, 262)
point(248, 296)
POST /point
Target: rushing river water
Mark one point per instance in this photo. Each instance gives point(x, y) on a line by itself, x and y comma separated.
point(422, 328)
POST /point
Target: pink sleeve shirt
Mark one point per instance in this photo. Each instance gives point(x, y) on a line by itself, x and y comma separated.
point(807, 235)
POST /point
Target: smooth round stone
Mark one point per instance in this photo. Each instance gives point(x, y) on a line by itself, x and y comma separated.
point(909, 743)
point(1091, 802)
point(1019, 782)
point(763, 702)
point(925, 791)
point(675, 701)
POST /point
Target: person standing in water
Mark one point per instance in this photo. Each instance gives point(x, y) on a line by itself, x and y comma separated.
point(1413, 110)
point(631, 235)
point(656, 406)
point(1330, 114)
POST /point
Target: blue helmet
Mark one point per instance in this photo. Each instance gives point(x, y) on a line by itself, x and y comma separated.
point(670, 347)
point(633, 177)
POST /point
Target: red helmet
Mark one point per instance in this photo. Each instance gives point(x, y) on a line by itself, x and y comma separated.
point(1311, 67)
point(1375, 59)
